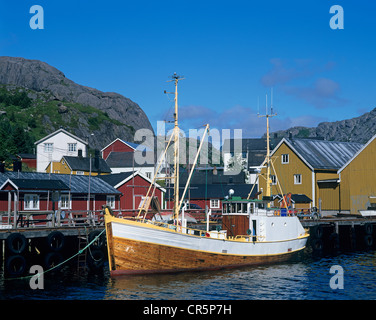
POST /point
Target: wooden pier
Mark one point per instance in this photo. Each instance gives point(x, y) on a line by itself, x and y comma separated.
point(50, 240)
point(341, 233)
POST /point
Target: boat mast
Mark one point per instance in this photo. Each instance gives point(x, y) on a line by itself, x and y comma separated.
point(176, 79)
point(267, 159)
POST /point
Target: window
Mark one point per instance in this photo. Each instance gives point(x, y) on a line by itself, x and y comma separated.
point(72, 147)
point(79, 173)
point(31, 202)
point(285, 158)
point(48, 147)
point(297, 179)
point(143, 201)
point(148, 175)
point(111, 201)
point(274, 179)
point(214, 203)
point(65, 202)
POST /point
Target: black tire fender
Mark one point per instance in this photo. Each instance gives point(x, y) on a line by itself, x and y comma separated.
point(55, 241)
point(16, 243)
point(15, 265)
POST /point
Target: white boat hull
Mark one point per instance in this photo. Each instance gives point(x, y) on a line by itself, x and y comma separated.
point(136, 247)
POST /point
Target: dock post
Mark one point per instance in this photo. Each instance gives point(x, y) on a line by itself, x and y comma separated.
point(15, 211)
point(59, 217)
point(9, 206)
point(352, 236)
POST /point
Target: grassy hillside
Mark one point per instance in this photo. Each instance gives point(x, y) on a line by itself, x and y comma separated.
point(27, 116)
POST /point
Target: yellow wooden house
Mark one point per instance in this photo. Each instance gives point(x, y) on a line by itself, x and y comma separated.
point(79, 166)
point(358, 180)
point(309, 167)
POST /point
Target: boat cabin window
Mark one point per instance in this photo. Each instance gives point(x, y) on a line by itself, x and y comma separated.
point(236, 207)
point(261, 205)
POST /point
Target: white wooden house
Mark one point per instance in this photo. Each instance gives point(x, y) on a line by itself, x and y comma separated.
point(56, 145)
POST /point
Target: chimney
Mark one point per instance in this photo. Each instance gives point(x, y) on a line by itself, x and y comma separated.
point(96, 159)
point(17, 165)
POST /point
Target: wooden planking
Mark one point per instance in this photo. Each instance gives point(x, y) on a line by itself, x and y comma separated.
point(235, 224)
point(144, 257)
point(110, 246)
point(358, 180)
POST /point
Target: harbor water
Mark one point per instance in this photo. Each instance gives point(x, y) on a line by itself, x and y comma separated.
point(306, 278)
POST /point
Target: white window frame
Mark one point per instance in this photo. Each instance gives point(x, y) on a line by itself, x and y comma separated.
point(273, 178)
point(214, 204)
point(285, 158)
point(148, 174)
point(142, 201)
point(63, 202)
point(297, 179)
point(72, 147)
point(31, 201)
point(80, 173)
point(110, 201)
point(49, 147)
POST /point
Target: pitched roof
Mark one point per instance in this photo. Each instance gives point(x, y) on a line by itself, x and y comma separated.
point(118, 179)
point(215, 191)
point(63, 131)
point(356, 154)
point(83, 164)
point(132, 145)
point(125, 159)
point(322, 154)
point(76, 184)
point(255, 148)
point(206, 176)
point(36, 184)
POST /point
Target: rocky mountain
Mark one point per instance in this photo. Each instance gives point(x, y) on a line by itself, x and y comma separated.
point(359, 129)
point(56, 101)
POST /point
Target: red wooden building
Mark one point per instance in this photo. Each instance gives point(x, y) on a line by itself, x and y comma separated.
point(118, 145)
point(134, 187)
point(33, 192)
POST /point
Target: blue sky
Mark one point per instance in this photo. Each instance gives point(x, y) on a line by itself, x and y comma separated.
point(231, 53)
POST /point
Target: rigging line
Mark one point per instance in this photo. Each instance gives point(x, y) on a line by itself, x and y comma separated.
point(155, 175)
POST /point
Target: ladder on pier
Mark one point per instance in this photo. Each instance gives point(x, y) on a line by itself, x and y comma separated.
point(82, 257)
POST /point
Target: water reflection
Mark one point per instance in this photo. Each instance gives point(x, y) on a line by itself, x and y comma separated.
point(297, 280)
point(304, 278)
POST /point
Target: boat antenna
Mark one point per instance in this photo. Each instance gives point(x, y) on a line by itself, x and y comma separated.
point(267, 159)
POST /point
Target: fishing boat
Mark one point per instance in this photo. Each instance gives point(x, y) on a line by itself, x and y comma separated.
point(252, 231)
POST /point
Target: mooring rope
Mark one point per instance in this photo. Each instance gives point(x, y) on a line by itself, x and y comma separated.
point(61, 263)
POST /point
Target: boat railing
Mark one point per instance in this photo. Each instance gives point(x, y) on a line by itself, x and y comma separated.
point(221, 234)
point(177, 227)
